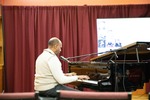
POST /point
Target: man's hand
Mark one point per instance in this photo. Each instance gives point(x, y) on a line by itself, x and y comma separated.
point(71, 74)
point(83, 77)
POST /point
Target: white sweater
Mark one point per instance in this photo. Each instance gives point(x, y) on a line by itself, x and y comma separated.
point(48, 72)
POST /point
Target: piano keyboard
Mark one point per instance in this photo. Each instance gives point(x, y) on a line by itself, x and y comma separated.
point(89, 81)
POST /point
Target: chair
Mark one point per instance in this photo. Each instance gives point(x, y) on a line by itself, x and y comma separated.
point(18, 96)
point(84, 95)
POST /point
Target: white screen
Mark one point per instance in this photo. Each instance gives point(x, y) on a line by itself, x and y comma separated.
point(113, 33)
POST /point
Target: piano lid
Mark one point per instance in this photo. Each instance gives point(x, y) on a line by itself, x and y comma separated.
point(137, 49)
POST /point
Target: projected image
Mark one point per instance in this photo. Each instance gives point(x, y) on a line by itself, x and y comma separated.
point(114, 33)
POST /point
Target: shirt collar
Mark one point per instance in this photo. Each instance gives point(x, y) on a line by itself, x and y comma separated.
point(49, 50)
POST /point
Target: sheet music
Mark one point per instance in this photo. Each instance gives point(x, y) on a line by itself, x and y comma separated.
point(88, 81)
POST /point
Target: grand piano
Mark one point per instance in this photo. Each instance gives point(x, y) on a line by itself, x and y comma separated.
point(123, 69)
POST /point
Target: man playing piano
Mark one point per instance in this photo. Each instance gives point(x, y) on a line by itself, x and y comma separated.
point(49, 76)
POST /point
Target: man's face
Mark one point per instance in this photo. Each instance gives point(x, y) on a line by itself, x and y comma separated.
point(58, 48)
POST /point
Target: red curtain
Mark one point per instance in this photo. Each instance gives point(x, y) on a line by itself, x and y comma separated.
point(27, 30)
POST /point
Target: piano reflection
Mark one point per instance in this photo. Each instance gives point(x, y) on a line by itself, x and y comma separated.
point(123, 69)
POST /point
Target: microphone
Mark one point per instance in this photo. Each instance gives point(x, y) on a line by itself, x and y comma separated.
point(65, 59)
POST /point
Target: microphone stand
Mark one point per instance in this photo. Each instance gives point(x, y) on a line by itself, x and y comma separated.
point(116, 75)
point(115, 56)
point(86, 55)
point(116, 72)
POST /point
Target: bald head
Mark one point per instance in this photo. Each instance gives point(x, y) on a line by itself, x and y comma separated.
point(55, 45)
point(53, 41)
